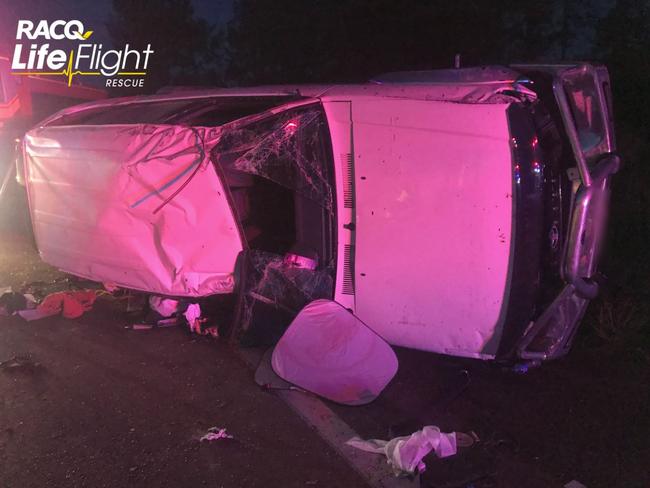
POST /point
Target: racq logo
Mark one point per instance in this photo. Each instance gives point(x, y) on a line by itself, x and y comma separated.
point(121, 67)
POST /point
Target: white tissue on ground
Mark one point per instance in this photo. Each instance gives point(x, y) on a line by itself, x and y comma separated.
point(405, 453)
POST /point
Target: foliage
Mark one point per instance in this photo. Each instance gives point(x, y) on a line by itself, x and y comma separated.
point(274, 41)
point(181, 43)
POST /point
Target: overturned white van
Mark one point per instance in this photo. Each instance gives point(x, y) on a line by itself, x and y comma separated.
point(454, 211)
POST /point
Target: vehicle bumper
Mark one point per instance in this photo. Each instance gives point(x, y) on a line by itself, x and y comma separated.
point(551, 334)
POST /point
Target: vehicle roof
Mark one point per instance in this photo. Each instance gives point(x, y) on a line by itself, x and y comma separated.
point(485, 84)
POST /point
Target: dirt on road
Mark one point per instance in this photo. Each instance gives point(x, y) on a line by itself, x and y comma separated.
point(89, 402)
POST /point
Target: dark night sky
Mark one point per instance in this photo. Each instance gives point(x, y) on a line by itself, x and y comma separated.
point(93, 13)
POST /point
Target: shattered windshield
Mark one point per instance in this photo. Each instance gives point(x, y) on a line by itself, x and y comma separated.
point(290, 149)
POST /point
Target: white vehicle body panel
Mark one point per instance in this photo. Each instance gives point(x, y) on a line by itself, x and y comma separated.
point(434, 209)
point(419, 238)
point(339, 120)
point(423, 183)
point(94, 191)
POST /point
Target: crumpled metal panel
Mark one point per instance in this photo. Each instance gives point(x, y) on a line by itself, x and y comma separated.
point(98, 198)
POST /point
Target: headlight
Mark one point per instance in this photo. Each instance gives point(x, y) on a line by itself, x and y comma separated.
point(20, 166)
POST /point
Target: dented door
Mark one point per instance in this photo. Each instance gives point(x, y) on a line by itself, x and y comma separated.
point(140, 206)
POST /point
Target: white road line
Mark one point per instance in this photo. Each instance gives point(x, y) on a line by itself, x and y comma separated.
point(372, 467)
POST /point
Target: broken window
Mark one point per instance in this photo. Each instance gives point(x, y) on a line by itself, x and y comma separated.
point(289, 149)
point(584, 103)
point(279, 171)
point(280, 176)
point(273, 290)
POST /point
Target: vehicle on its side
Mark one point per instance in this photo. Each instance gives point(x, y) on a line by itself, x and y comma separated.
point(455, 211)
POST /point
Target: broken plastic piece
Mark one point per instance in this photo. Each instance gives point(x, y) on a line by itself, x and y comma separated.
point(214, 434)
point(330, 352)
point(405, 453)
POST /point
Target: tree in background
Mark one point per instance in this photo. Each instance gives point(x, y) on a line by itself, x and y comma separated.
point(623, 43)
point(276, 41)
point(183, 45)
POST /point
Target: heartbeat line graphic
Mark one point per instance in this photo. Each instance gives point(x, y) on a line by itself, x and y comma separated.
point(69, 73)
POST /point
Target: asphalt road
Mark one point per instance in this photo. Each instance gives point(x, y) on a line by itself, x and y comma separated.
point(91, 403)
point(97, 404)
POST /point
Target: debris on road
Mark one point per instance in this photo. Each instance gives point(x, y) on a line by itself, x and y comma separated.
point(167, 312)
point(330, 352)
point(466, 439)
point(166, 307)
point(142, 326)
point(193, 316)
point(405, 453)
point(197, 322)
point(12, 302)
point(70, 304)
point(267, 379)
point(169, 322)
point(33, 314)
point(214, 434)
point(574, 484)
point(18, 364)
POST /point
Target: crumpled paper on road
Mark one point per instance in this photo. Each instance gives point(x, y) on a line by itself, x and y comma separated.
point(405, 453)
point(215, 433)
